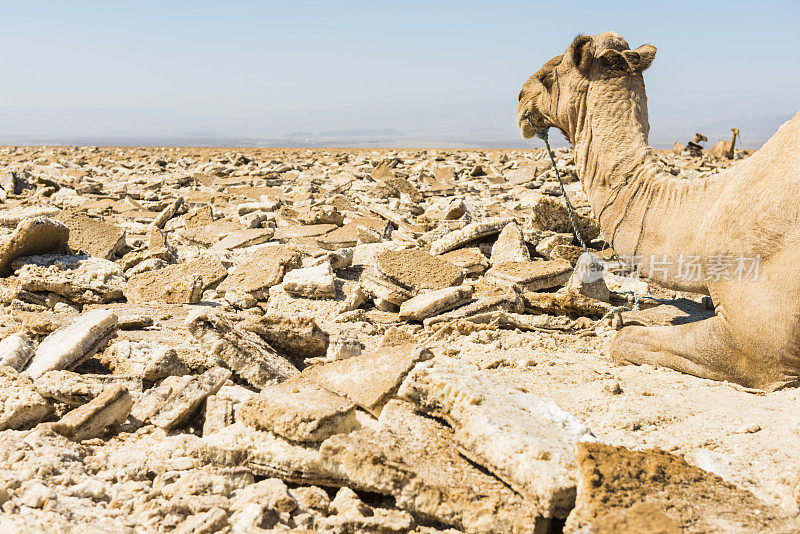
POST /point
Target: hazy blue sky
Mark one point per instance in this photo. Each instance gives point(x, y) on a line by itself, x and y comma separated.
point(430, 70)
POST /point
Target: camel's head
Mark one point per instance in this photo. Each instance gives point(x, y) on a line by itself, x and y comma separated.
point(555, 95)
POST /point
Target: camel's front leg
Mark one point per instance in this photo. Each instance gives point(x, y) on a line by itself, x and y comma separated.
point(702, 348)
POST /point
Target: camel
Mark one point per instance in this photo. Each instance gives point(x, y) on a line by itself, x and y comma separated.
point(724, 149)
point(678, 148)
point(734, 236)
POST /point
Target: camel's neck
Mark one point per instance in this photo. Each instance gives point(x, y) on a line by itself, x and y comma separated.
point(733, 144)
point(643, 211)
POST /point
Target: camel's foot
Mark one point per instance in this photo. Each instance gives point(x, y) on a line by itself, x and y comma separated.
point(705, 349)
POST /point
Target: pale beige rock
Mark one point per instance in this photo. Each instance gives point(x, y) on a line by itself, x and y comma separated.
point(108, 409)
point(73, 343)
point(587, 278)
point(432, 303)
point(176, 284)
point(546, 245)
point(317, 282)
point(20, 404)
point(76, 389)
point(296, 336)
point(96, 237)
point(510, 246)
point(81, 279)
point(244, 238)
point(16, 350)
point(379, 288)
point(184, 401)
point(369, 380)
point(33, 235)
point(524, 440)
point(531, 275)
point(263, 269)
point(469, 233)
point(143, 359)
point(470, 260)
point(299, 410)
point(239, 350)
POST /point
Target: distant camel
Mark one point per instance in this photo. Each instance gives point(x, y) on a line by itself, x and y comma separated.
point(724, 149)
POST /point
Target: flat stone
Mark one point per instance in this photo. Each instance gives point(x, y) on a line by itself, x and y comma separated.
point(551, 213)
point(266, 454)
point(612, 480)
point(81, 279)
point(38, 235)
point(546, 244)
point(286, 234)
point(243, 352)
point(12, 217)
point(395, 183)
point(316, 282)
point(469, 233)
point(20, 404)
point(146, 360)
point(110, 408)
point(263, 269)
point(299, 410)
point(369, 380)
point(530, 275)
point(176, 284)
point(564, 303)
point(469, 260)
point(72, 344)
point(16, 350)
point(510, 246)
point(446, 487)
point(378, 287)
point(94, 236)
point(416, 270)
point(432, 303)
point(181, 404)
point(524, 440)
point(570, 253)
point(244, 238)
point(347, 235)
point(293, 335)
point(76, 389)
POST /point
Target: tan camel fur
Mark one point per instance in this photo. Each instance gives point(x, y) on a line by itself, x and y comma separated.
point(678, 148)
point(724, 149)
point(740, 228)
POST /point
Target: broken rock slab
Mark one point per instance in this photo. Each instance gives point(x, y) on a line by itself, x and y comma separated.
point(432, 303)
point(612, 480)
point(16, 350)
point(316, 282)
point(265, 454)
point(20, 404)
point(263, 269)
point(551, 213)
point(470, 260)
point(80, 279)
point(469, 233)
point(183, 401)
point(530, 275)
point(510, 246)
point(241, 351)
point(416, 270)
point(371, 379)
point(526, 441)
point(299, 410)
point(146, 360)
point(96, 237)
point(244, 238)
point(446, 487)
point(110, 408)
point(294, 335)
point(75, 389)
point(72, 344)
point(176, 284)
point(32, 236)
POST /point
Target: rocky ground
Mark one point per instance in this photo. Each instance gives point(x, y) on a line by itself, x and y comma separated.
point(207, 340)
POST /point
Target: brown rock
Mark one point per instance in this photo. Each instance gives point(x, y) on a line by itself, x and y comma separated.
point(94, 236)
point(611, 480)
point(296, 336)
point(36, 235)
point(176, 284)
point(530, 275)
point(262, 270)
point(415, 270)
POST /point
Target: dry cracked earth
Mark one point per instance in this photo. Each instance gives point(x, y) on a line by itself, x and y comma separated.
point(215, 340)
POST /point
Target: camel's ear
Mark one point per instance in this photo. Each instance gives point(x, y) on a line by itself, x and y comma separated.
point(580, 52)
point(638, 60)
point(628, 61)
point(613, 62)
